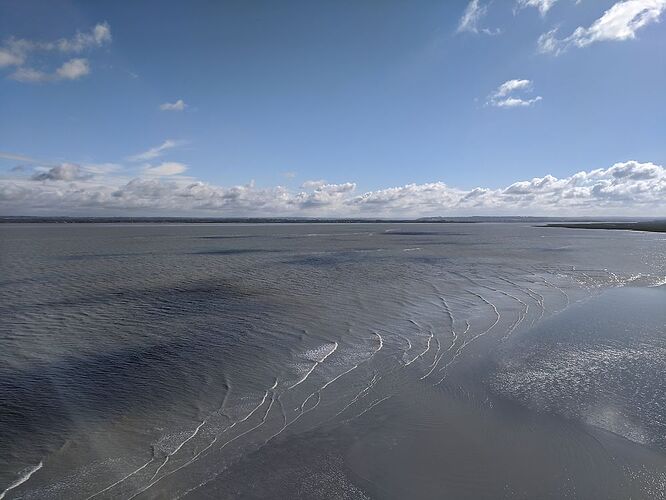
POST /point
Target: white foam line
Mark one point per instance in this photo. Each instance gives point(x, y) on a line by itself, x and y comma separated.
point(210, 445)
point(262, 422)
point(196, 431)
point(439, 347)
point(338, 376)
point(381, 342)
point(472, 339)
point(428, 344)
point(418, 356)
point(411, 361)
point(531, 294)
point(566, 295)
point(316, 363)
point(521, 314)
point(359, 395)
point(371, 407)
point(540, 301)
point(318, 391)
point(122, 479)
point(22, 479)
point(453, 340)
point(517, 286)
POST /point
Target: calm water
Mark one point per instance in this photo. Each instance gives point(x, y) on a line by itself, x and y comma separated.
point(331, 361)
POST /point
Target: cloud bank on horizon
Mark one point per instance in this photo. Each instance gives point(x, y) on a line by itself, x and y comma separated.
point(149, 181)
point(629, 187)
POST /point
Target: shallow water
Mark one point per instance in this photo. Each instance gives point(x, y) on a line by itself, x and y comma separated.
point(332, 360)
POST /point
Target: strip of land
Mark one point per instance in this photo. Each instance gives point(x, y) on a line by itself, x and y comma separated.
point(657, 226)
point(296, 220)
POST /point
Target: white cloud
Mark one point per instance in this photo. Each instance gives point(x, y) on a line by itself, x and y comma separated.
point(515, 102)
point(29, 75)
point(502, 98)
point(70, 70)
point(179, 105)
point(510, 85)
point(543, 5)
point(308, 185)
point(96, 37)
point(629, 188)
point(63, 172)
point(73, 69)
point(469, 22)
point(9, 58)
point(620, 22)
point(18, 53)
point(155, 152)
point(165, 169)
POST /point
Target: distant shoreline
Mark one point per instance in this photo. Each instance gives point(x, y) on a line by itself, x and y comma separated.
point(655, 226)
point(548, 221)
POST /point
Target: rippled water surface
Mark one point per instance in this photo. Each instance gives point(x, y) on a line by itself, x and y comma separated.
point(331, 361)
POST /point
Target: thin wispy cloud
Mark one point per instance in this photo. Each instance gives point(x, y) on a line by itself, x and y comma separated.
point(179, 105)
point(4, 155)
point(620, 22)
point(542, 5)
point(17, 53)
point(512, 94)
point(472, 17)
point(165, 169)
point(155, 152)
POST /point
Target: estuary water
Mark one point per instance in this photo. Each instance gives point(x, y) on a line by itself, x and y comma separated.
point(331, 361)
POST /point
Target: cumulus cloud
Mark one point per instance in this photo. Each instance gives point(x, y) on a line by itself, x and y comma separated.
point(165, 169)
point(471, 18)
point(620, 22)
point(17, 53)
point(153, 153)
point(63, 172)
point(629, 188)
point(9, 58)
point(503, 96)
point(73, 69)
point(179, 105)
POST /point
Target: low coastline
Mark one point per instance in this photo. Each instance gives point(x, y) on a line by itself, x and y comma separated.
point(655, 226)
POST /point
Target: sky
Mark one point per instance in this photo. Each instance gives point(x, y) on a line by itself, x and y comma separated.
point(333, 108)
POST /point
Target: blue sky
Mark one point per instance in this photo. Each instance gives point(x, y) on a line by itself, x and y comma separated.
point(333, 108)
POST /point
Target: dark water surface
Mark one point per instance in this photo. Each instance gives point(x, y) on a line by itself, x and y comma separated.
point(331, 361)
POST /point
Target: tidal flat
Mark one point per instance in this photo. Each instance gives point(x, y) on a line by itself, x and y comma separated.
point(304, 360)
